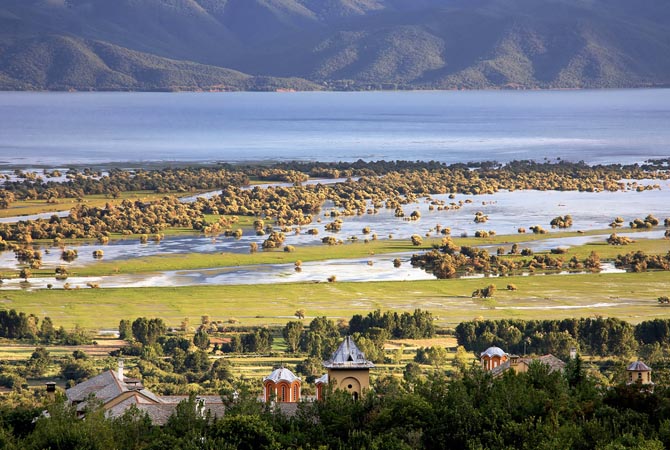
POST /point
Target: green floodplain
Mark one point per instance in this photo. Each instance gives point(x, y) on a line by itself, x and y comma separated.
point(629, 296)
point(107, 207)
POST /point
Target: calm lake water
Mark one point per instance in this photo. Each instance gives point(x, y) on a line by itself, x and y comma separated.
point(595, 126)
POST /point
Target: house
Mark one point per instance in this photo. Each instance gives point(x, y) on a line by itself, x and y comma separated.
point(496, 361)
point(116, 393)
point(348, 370)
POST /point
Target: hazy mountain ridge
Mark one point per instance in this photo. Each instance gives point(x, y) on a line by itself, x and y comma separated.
point(201, 44)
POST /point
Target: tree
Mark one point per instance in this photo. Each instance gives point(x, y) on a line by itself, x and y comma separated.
point(147, 331)
point(300, 314)
point(461, 359)
point(201, 339)
point(125, 330)
point(25, 273)
point(38, 362)
point(197, 361)
point(321, 339)
point(292, 333)
point(416, 240)
point(77, 370)
point(172, 343)
point(592, 262)
point(246, 432)
point(221, 370)
point(437, 356)
point(187, 421)
point(373, 352)
point(488, 291)
point(47, 331)
point(69, 255)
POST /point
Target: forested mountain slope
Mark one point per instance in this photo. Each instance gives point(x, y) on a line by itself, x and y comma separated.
point(189, 44)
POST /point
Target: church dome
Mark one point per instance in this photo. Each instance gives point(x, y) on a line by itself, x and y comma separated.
point(493, 351)
point(281, 374)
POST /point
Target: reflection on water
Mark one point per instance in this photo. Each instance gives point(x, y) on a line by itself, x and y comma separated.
point(375, 268)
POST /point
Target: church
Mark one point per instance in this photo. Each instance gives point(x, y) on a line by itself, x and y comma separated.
point(348, 370)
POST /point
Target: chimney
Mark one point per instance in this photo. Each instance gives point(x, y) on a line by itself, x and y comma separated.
point(573, 352)
point(51, 390)
point(120, 370)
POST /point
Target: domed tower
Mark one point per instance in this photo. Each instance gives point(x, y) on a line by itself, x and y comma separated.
point(348, 369)
point(639, 373)
point(493, 357)
point(282, 386)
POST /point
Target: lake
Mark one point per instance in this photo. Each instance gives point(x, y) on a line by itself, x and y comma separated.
point(597, 126)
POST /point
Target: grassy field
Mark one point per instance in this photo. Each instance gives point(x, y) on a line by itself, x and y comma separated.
point(207, 260)
point(11, 351)
point(629, 296)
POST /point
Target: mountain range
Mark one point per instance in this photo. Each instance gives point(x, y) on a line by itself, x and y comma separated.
point(332, 44)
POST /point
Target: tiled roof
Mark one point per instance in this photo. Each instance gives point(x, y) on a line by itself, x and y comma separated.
point(281, 374)
point(161, 412)
point(108, 387)
point(500, 369)
point(553, 362)
point(104, 387)
point(322, 380)
point(549, 360)
point(348, 356)
point(638, 366)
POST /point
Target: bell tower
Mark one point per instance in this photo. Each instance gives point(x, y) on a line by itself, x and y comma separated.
point(348, 369)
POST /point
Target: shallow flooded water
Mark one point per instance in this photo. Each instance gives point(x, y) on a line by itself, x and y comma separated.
point(506, 211)
point(374, 268)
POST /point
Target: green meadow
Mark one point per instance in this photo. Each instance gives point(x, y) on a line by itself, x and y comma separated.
point(629, 296)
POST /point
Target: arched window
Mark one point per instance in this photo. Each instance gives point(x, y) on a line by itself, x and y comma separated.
point(268, 392)
point(283, 393)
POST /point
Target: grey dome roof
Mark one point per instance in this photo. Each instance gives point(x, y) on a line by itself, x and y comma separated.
point(281, 374)
point(639, 366)
point(493, 351)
